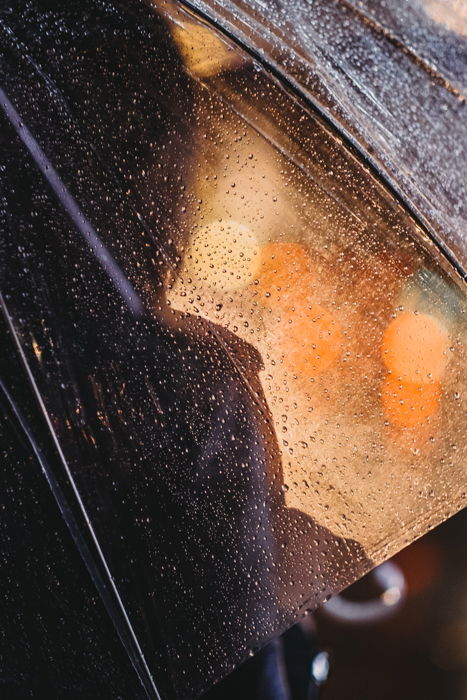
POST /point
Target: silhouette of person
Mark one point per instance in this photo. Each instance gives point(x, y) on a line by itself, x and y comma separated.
point(163, 415)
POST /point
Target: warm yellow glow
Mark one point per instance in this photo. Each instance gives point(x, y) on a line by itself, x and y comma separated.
point(204, 53)
point(222, 254)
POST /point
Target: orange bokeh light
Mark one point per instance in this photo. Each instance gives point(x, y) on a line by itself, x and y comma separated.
point(414, 347)
point(310, 341)
point(284, 274)
point(408, 404)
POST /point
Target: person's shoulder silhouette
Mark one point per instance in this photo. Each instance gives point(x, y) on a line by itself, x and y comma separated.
point(236, 477)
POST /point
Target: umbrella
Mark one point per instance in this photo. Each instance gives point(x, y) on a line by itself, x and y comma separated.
point(234, 325)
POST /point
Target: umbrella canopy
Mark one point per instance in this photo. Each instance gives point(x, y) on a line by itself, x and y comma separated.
point(234, 325)
point(390, 76)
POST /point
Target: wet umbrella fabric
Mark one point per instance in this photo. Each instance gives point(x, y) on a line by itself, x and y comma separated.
point(163, 424)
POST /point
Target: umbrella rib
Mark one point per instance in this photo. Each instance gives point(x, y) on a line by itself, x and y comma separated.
point(144, 673)
point(72, 208)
